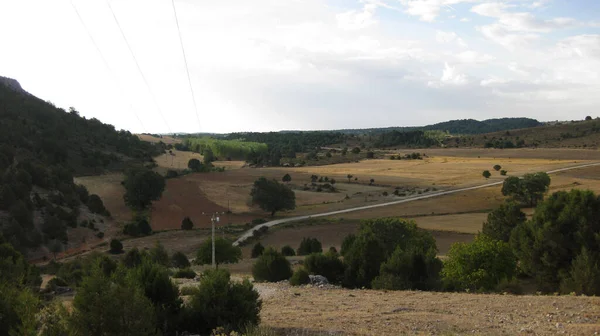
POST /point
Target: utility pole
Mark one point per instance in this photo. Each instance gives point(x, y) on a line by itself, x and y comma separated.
point(214, 218)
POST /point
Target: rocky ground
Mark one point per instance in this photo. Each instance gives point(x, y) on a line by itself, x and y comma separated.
point(335, 311)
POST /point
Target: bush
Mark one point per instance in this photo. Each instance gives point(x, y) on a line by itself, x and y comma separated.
point(288, 251)
point(132, 258)
point(327, 265)
point(171, 174)
point(116, 247)
point(96, 205)
point(510, 286)
point(502, 221)
point(185, 273)
point(187, 224)
point(486, 174)
point(497, 167)
point(56, 282)
point(300, 277)
point(258, 221)
point(480, 265)
point(139, 227)
point(225, 252)
point(584, 275)
point(271, 266)
point(308, 246)
point(503, 172)
point(179, 260)
point(409, 270)
point(220, 302)
point(159, 255)
point(257, 250)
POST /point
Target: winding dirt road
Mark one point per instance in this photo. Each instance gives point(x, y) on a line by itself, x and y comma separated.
point(248, 233)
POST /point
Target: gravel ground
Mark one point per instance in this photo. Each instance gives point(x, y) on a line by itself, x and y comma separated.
point(369, 312)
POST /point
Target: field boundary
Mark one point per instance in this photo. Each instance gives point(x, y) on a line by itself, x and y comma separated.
point(250, 232)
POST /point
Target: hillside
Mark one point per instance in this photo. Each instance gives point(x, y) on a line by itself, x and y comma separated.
point(41, 148)
point(575, 134)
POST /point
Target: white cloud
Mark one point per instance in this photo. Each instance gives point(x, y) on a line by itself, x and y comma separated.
point(429, 10)
point(357, 19)
point(449, 37)
point(465, 19)
point(450, 76)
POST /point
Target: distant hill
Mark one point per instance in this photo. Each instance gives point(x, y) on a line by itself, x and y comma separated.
point(41, 148)
point(569, 134)
point(456, 127)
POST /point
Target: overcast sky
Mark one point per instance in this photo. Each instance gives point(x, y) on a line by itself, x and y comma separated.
point(265, 65)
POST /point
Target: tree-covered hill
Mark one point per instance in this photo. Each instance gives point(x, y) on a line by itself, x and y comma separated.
point(41, 148)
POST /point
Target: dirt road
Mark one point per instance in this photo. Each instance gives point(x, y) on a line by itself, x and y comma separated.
point(249, 233)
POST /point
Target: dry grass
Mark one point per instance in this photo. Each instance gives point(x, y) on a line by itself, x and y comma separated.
point(463, 223)
point(369, 312)
point(166, 139)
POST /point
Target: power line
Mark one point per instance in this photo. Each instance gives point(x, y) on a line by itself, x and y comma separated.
point(187, 70)
point(110, 71)
point(138, 66)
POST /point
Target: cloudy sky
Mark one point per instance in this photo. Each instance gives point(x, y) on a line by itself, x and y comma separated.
point(306, 64)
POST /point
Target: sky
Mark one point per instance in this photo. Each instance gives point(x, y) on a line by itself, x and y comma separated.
point(268, 65)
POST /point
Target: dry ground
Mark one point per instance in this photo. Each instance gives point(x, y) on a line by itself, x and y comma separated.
point(369, 312)
point(166, 139)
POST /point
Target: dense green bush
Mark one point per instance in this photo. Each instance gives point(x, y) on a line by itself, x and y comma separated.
point(548, 245)
point(480, 265)
point(142, 186)
point(116, 247)
point(288, 251)
point(308, 246)
point(257, 250)
point(158, 254)
point(186, 273)
point(271, 266)
point(220, 302)
point(132, 258)
point(411, 269)
point(179, 260)
point(300, 277)
point(187, 224)
point(328, 265)
point(502, 221)
point(225, 252)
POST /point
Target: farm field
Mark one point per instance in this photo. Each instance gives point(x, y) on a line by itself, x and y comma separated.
point(370, 312)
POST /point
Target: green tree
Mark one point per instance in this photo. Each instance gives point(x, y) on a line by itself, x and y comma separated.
point(179, 260)
point(116, 246)
point(157, 286)
point(105, 306)
point(527, 190)
point(288, 251)
point(309, 245)
point(271, 266)
point(479, 265)
point(328, 265)
point(18, 308)
point(220, 302)
point(349, 177)
point(370, 155)
point(225, 252)
point(497, 167)
point(142, 187)
point(158, 254)
point(411, 270)
point(272, 196)
point(187, 224)
point(561, 227)
point(362, 261)
point(257, 250)
point(209, 156)
point(132, 258)
point(584, 275)
point(355, 150)
point(287, 178)
point(300, 277)
point(503, 172)
point(486, 174)
point(502, 221)
point(96, 205)
point(195, 165)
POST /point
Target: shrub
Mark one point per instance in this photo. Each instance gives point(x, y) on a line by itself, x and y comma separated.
point(497, 167)
point(225, 252)
point(370, 155)
point(187, 224)
point(308, 246)
point(96, 205)
point(503, 172)
point(300, 277)
point(479, 265)
point(486, 174)
point(171, 174)
point(584, 275)
point(116, 247)
point(511, 286)
point(258, 221)
point(179, 260)
point(139, 227)
point(220, 302)
point(288, 251)
point(132, 258)
point(409, 270)
point(257, 250)
point(56, 282)
point(185, 273)
point(502, 221)
point(158, 254)
point(327, 265)
point(271, 266)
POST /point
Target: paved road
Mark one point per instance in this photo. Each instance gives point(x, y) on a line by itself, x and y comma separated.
point(248, 233)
